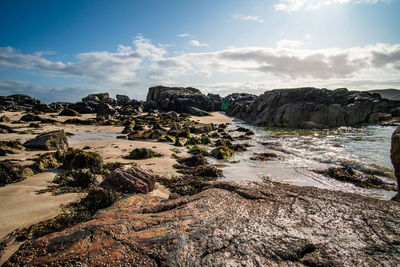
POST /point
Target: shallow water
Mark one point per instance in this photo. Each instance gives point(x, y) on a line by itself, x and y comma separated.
point(301, 151)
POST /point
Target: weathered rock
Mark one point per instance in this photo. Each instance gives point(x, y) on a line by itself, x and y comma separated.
point(81, 178)
point(312, 108)
point(263, 156)
point(4, 118)
point(395, 157)
point(47, 161)
point(181, 99)
point(193, 161)
point(122, 99)
point(30, 117)
point(43, 108)
point(132, 180)
point(96, 97)
point(55, 140)
point(253, 224)
point(81, 107)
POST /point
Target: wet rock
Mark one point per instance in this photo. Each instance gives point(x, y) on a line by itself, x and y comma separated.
point(143, 153)
point(349, 175)
point(202, 171)
point(79, 159)
point(55, 140)
point(222, 152)
point(263, 156)
point(195, 150)
point(69, 112)
point(129, 181)
point(193, 161)
point(9, 173)
point(184, 133)
point(260, 224)
point(193, 141)
point(395, 158)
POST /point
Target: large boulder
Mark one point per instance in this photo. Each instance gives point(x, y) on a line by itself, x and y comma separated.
point(182, 99)
point(133, 180)
point(228, 224)
point(395, 157)
point(55, 140)
point(311, 108)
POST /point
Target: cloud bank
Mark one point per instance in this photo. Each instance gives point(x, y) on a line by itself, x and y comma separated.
point(135, 67)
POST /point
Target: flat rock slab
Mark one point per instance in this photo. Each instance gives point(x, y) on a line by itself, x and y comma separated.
point(55, 140)
point(230, 224)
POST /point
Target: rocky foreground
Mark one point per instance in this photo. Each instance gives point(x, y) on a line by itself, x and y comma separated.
point(230, 224)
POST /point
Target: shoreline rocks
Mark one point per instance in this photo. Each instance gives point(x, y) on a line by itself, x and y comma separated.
point(55, 140)
point(229, 224)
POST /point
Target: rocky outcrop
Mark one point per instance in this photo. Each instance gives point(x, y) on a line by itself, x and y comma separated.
point(55, 140)
point(182, 99)
point(252, 224)
point(313, 108)
point(133, 180)
point(395, 157)
point(18, 102)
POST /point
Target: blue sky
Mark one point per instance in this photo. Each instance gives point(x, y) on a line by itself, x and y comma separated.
point(63, 50)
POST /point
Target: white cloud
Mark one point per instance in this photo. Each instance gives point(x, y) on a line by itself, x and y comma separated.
point(291, 6)
point(136, 67)
point(247, 18)
point(197, 43)
point(184, 35)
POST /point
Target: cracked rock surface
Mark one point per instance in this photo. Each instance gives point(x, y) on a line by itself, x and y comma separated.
point(249, 224)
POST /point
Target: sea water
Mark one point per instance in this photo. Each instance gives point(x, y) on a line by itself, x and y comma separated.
point(300, 152)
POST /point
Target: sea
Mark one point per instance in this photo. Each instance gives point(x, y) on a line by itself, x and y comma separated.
point(300, 152)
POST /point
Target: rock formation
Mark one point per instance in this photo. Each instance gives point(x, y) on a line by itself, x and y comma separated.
point(312, 108)
point(395, 157)
point(253, 224)
point(181, 99)
point(55, 140)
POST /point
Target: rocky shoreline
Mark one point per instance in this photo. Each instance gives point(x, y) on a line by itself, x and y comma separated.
point(165, 205)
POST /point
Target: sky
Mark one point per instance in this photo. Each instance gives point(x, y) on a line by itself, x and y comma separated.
point(64, 50)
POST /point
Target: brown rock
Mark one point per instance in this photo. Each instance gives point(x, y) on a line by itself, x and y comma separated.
point(253, 224)
point(395, 157)
point(133, 180)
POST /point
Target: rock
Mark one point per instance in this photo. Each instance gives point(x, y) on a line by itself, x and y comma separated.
point(9, 173)
point(4, 118)
point(229, 224)
point(202, 171)
point(143, 153)
point(55, 140)
point(30, 117)
point(104, 109)
point(43, 108)
point(81, 108)
point(202, 128)
point(349, 175)
point(81, 178)
point(395, 112)
point(6, 129)
point(99, 198)
point(34, 125)
point(395, 158)
point(193, 161)
point(122, 99)
point(195, 150)
point(47, 161)
point(96, 97)
point(264, 156)
point(222, 152)
point(182, 99)
point(79, 159)
point(176, 126)
point(197, 112)
point(69, 112)
point(312, 108)
point(133, 180)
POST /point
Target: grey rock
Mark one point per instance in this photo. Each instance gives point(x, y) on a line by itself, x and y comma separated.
point(55, 140)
